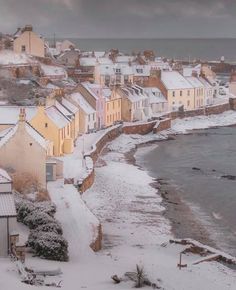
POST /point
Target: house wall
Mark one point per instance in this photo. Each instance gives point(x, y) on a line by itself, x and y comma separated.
point(5, 187)
point(126, 109)
point(53, 133)
point(113, 111)
point(24, 155)
point(187, 98)
point(199, 97)
point(34, 45)
point(4, 235)
point(232, 88)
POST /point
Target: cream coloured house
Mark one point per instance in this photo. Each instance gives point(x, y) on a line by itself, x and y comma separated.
point(177, 90)
point(23, 150)
point(199, 91)
point(27, 41)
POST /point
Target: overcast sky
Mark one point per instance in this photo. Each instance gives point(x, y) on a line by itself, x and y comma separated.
point(122, 18)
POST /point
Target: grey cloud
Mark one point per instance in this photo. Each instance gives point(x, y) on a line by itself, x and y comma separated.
point(122, 18)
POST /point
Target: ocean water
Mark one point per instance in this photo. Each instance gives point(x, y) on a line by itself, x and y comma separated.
point(194, 165)
point(204, 49)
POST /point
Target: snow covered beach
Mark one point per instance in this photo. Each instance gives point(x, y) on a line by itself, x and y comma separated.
point(133, 226)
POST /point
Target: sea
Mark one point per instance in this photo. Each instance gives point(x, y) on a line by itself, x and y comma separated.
point(184, 49)
point(202, 169)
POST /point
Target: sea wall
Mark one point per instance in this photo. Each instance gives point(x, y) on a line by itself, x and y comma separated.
point(162, 125)
point(139, 128)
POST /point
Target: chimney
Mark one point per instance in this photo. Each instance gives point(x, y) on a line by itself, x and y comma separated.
point(22, 115)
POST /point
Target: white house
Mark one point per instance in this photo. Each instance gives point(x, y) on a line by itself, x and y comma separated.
point(87, 115)
point(157, 101)
point(8, 222)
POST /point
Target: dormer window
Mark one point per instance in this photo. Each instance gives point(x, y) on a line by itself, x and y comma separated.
point(139, 70)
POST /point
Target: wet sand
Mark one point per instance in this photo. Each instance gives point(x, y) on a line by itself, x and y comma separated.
point(184, 223)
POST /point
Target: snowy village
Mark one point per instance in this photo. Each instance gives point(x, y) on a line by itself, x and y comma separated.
point(77, 210)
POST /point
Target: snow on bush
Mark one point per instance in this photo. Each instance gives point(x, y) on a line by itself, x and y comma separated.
point(46, 232)
point(54, 227)
point(38, 218)
point(49, 245)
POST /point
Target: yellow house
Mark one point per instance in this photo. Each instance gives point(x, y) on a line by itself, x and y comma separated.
point(199, 91)
point(56, 127)
point(75, 111)
point(112, 109)
point(178, 91)
point(28, 42)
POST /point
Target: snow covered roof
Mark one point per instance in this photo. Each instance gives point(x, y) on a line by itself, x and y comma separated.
point(104, 60)
point(57, 117)
point(195, 82)
point(88, 61)
point(7, 205)
point(84, 105)
point(52, 70)
point(205, 83)
point(133, 96)
point(141, 70)
point(4, 176)
point(9, 133)
point(124, 58)
point(9, 57)
point(111, 69)
point(155, 95)
point(69, 106)
point(63, 110)
point(9, 115)
point(173, 80)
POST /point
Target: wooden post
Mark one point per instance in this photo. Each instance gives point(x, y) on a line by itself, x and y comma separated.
point(180, 260)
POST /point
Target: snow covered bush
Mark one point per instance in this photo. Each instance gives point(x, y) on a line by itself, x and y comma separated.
point(49, 245)
point(37, 218)
point(45, 237)
point(25, 207)
point(54, 227)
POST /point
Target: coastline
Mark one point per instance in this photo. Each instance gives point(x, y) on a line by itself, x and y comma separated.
point(183, 221)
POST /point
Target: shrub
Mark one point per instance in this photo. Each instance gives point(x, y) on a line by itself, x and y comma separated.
point(54, 227)
point(37, 218)
point(49, 245)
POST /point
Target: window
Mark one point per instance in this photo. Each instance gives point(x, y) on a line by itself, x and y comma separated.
point(118, 70)
point(68, 130)
point(107, 106)
point(173, 103)
point(23, 48)
point(46, 125)
point(89, 118)
point(113, 105)
point(188, 93)
point(93, 116)
point(119, 103)
point(188, 103)
point(181, 93)
point(139, 70)
point(173, 94)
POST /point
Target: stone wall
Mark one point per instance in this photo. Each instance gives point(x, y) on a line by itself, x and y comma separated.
point(218, 109)
point(142, 129)
point(232, 103)
point(162, 125)
point(97, 244)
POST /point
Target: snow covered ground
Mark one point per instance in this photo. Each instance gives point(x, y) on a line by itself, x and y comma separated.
point(134, 228)
point(203, 122)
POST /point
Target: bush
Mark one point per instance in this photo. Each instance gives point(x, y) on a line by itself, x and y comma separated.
point(24, 208)
point(49, 245)
point(37, 218)
point(54, 227)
